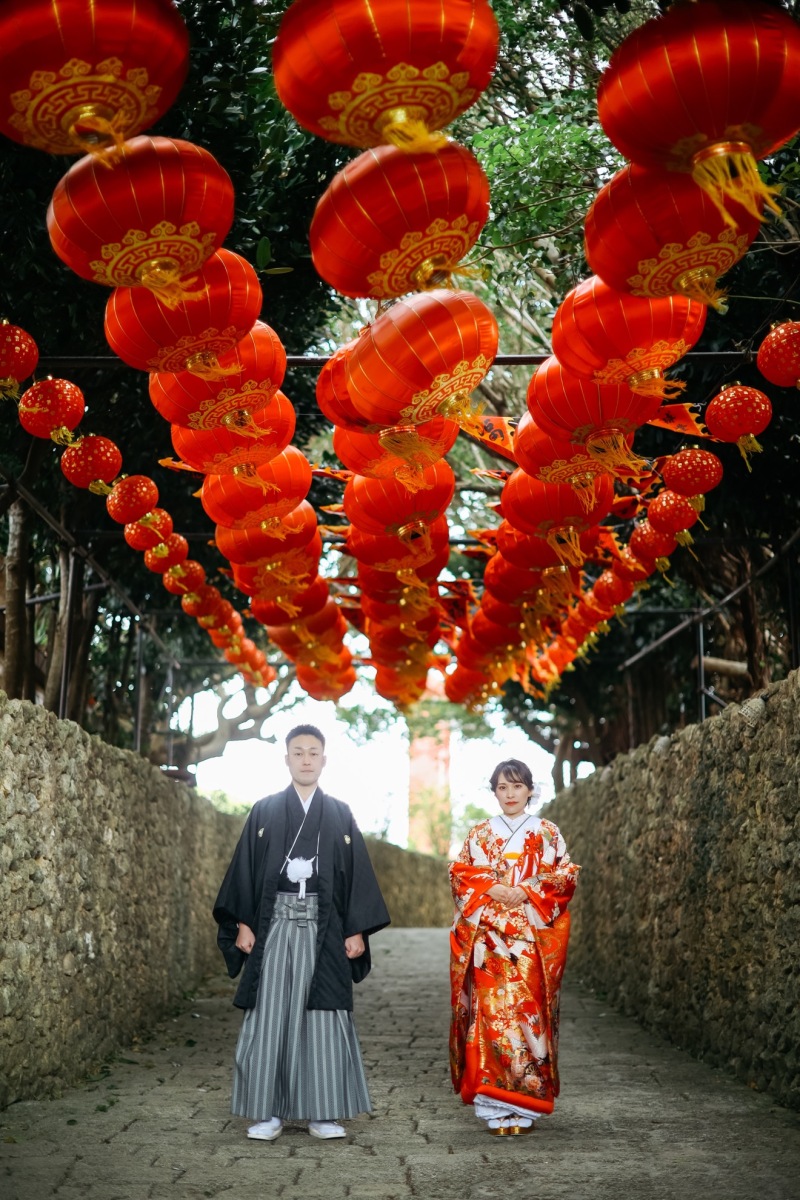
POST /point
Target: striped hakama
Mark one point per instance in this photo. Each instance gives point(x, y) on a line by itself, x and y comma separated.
point(293, 1062)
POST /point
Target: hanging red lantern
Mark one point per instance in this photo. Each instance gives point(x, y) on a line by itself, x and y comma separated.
point(469, 687)
point(553, 511)
point(274, 574)
point(245, 545)
point(130, 498)
point(692, 473)
point(51, 408)
point(201, 600)
point(611, 591)
point(632, 569)
point(293, 603)
point(166, 554)
point(512, 585)
point(778, 357)
point(261, 497)
point(77, 79)
point(385, 506)
point(737, 414)
point(603, 418)
point(333, 397)
point(707, 88)
point(91, 462)
point(184, 577)
point(650, 545)
point(656, 233)
point(615, 338)
point(192, 335)
point(392, 553)
point(323, 687)
point(238, 447)
point(422, 358)
point(150, 221)
point(400, 687)
point(400, 452)
point(391, 222)
point(363, 72)
point(671, 513)
point(146, 532)
point(556, 460)
point(19, 355)
point(526, 550)
point(252, 373)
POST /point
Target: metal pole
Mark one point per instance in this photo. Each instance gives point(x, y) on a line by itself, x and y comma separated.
point(65, 661)
point(701, 673)
point(137, 711)
point(170, 732)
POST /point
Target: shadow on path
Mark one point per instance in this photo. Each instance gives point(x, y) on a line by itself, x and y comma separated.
point(637, 1119)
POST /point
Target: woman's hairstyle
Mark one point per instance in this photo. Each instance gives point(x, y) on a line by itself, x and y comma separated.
point(514, 770)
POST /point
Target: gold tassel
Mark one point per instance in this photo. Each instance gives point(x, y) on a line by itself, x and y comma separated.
point(100, 488)
point(564, 541)
point(610, 448)
point(9, 388)
point(700, 284)
point(104, 137)
point(653, 383)
point(240, 421)
point(585, 488)
point(728, 171)
point(409, 134)
point(698, 503)
point(748, 445)
point(206, 365)
point(162, 277)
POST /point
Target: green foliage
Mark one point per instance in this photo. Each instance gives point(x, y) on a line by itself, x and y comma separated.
point(222, 801)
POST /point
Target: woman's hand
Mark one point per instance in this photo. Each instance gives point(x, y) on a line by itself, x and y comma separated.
point(507, 897)
point(245, 938)
point(354, 946)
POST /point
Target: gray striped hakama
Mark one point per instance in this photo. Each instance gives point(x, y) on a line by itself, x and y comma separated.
point(293, 1062)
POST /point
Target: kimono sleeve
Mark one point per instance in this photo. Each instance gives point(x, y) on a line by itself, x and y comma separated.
point(471, 876)
point(366, 911)
point(553, 886)
point(237, 901)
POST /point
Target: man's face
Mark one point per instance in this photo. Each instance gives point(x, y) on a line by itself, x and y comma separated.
point(305, 760)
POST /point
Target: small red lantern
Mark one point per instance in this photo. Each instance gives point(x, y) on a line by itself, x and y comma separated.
point(692, 472)
point(76, 79)
point(184, 577)
point(201, 601)
point(294, 603)
point(737, 414)
point(51, 408)
point(674, 94)
point(333, 397)
point(166, 554)
point(391, 222)
point(149, 530)
point(512, 585)
point(192, 335)
point(633, 569)
point(259, 438)
point(130, 498)
point(325, 687)
point(651, 545)
point(401, 452)
point(364, 72)
point(390, 553)
point(613, 337)
point(19, 355)
point(778, 357)
point(656, 233)
point(671, 513)
point(611, 591)
point(385, 506)
point(553, 511)
point(252, 373)
point(556, 460)
point(245, 545)
point(91, 462)
point(264, 495)
point(422, 358)
point(527, 550)
point(152, 220)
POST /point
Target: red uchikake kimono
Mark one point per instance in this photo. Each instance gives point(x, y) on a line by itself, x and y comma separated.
point(506, 966)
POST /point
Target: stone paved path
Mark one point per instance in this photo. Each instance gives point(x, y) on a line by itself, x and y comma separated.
point(637, 1119)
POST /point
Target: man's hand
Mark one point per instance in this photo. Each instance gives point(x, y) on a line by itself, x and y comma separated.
point(245, 939)
point(507, 897)
point(354, 946)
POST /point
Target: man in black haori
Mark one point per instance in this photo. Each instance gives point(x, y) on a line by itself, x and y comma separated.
point(296, 909)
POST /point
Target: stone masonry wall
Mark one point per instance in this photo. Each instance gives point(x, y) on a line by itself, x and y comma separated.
point(687, 914)
point(108, 872)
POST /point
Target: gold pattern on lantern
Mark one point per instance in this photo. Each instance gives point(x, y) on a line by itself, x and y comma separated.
point(401, 107)
point(691, 269)
point(164, 248)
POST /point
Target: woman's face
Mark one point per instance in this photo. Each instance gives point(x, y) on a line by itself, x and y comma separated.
point(512, 795)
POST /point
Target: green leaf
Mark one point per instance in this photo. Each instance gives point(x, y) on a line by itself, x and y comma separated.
point(263, 253)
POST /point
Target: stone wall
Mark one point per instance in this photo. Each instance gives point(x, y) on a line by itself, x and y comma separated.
point(687, 914)
point(108, 871)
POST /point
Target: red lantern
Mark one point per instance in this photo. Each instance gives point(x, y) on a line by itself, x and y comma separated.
point(602, 418)
point(391, 222)
point(384, 506)
point(468, 687)
point(183, 577)
point(233, 448)
point(737, 414)
point(554, 512)
point(632, 569)
point(19, 355)
point(75, 79)
point(152, 220)
point(422, 358)
point(263, 496)
point(526, 550)
point(326, 687)
point(271, 576)
point(671, 513)
point(192, 335)
point(778, 357)
point(245, 545)
point(391, 553)
point(259, 360)
point(166, 554)
point(650, 545)
point(333, 397)
point(91, 462)
point(692, 473)
point(556, 460)
point(201, 601)
point(297, 603)
point(130, 498)
point(656, 233)
point(149, 530)
point(512, 585)
point(401, 688)
point(363, 72)
point(612, 337)
point(400, 452)
point(611, 590)
point(707, 88)
point(51, 407)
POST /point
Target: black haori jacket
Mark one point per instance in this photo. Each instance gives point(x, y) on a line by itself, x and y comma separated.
point(349, 899)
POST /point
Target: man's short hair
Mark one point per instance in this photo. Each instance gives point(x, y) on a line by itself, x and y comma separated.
point(305, 731)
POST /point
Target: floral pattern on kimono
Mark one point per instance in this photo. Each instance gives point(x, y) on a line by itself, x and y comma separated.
point(506, 966)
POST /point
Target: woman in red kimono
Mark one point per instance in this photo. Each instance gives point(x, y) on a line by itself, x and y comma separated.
point(511, 883)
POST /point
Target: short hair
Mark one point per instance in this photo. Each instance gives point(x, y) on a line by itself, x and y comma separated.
point(514, 770)
point(305, 731)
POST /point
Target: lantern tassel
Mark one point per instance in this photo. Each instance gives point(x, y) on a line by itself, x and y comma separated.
point(410, 134)
point(206, 365)
point(748, 445)
point(653, 383)
point(728, 171)
point(9, 388)
point(585, 488)
point(164, 280)
point(460, 407)
point(611, 449)
point(700, 284)
point(241, 422)
point(104, 139)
